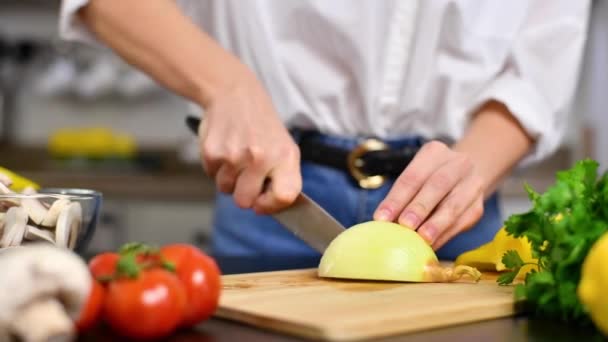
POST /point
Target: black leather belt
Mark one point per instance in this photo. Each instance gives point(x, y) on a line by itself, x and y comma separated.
point(370, 163)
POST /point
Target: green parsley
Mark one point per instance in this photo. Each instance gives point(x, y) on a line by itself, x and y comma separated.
point(562, 225)
point(512, 261)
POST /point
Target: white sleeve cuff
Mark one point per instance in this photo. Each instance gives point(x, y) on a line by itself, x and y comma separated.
point(71, 28)
point(532, 112)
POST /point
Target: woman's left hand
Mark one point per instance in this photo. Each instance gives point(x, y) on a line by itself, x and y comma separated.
point(440, 194)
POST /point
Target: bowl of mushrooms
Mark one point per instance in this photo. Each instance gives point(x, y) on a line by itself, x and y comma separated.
point(65, 218)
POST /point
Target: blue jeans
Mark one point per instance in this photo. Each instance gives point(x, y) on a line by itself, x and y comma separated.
point(243, 233)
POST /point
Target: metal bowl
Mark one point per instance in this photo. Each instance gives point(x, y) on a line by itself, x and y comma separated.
point(61, 216)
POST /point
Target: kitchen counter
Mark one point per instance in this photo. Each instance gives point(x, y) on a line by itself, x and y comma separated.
point(520, 328)
point(155, 174)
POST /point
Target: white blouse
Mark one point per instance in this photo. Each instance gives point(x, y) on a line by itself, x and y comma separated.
point(389, 68)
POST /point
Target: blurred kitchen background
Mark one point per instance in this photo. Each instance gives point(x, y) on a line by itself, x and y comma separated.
point(76, 116)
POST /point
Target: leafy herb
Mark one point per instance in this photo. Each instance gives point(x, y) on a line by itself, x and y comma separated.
point(512, 261)
point(562, 225)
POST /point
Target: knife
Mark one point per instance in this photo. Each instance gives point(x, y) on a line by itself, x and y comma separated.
point(304, 217)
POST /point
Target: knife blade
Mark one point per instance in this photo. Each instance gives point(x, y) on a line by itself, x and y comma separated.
point(310, 222)
point(306, 219)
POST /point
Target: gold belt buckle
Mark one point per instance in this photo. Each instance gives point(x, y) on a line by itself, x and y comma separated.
point(355, 163)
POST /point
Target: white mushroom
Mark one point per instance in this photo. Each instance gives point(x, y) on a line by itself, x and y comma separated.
point(42, 292)
point(14, 227)
point(68, 225)
point(35, 234)
point(34, 208)
point(50, 220)
point(7, 203)
point(5, 179)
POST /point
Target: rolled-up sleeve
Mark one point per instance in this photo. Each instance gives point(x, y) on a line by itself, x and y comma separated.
point(71, 28)
point(540, 76)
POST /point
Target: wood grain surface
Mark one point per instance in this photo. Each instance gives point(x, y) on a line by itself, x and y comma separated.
point(298, 302)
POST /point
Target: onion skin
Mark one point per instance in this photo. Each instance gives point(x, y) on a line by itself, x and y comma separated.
point(386, 251)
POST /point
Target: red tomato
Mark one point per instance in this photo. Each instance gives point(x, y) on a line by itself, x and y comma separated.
point(103, 265)
point(91, 313)
point(149, 306)
point(201, 277)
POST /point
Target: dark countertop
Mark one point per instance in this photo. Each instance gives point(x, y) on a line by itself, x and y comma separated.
point(520, 328)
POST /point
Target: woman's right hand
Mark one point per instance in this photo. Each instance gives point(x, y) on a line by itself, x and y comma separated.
point(243, 142)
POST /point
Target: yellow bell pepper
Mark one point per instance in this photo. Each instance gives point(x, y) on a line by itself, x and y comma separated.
point(19, 182)
point(488, 257)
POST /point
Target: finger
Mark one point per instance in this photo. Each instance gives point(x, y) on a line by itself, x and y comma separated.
point(208, 154)
point(438, 185)
point(215, 156)
point(465, 222)
point(407, 185)
point(226, 177)
point(450, 209)
point(285, 186)
point(250, 181)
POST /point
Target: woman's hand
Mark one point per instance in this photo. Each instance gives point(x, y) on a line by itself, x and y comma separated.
point(442, 191)
point(243, 142)
point(242, 139)
point(439, 194)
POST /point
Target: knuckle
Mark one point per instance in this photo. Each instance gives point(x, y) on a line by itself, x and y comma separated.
point(435, 146)
point(466, 162)
point(256, 154)
point(408, 180)
point(391, 204)
point(462, 160)
point(478, 188)
point(289, 153)
point(441, 181)
point(231, 156)
point(419, 208)
point(477, 210)
point(209, 152)
point(452, 209)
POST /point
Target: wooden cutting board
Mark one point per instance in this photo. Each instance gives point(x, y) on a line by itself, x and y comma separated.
point(297, 302)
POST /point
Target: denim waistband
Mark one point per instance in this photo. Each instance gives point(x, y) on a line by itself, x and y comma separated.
point(352, 142)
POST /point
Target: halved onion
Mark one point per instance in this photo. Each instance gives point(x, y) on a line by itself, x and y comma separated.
point(378, 250)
